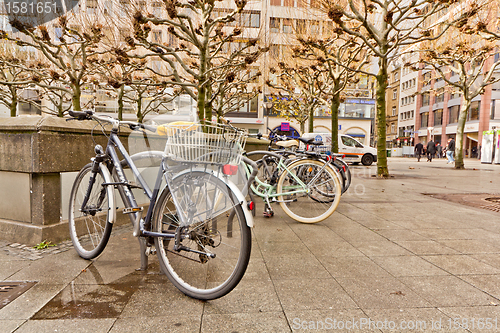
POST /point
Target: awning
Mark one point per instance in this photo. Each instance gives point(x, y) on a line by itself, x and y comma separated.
point(472, 136)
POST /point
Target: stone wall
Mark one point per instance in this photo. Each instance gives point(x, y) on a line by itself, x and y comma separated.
point(35, 151)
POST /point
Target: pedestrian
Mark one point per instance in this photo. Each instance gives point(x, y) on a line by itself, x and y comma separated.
point(419, 147)
point(431, 150)
point(450, 150)
point(439, 150)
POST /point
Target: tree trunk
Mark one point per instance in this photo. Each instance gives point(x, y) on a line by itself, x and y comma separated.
point(311, 120)
point(208, 106)
point(302, 126)
point(60, 109)
point(334, 107)
point(201, 104)
point(382, 169)
point(13, 105)
point(459, 140)
point(121, 91)
point(140, 116)
point(75, 99)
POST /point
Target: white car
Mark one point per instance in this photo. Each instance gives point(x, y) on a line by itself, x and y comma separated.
point(354, 151)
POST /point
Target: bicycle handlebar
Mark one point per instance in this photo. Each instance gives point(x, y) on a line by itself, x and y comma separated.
point(89, 115)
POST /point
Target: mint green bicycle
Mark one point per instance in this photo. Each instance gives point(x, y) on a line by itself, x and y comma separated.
point(308, 190)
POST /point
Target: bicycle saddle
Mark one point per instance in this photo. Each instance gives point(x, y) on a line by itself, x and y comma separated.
point(287, 144)
point(310, 141)
point(176, 126)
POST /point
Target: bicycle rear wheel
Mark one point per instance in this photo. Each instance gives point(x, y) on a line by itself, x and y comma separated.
point(341, 165)
point(219, 236)
point(321, 191)
point(90, 226)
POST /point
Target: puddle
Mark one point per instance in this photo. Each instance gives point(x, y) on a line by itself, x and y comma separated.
point(82, 301)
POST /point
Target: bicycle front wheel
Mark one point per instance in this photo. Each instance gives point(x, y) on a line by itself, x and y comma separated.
point(309, 191)
point(212, 244)
point(90, 224)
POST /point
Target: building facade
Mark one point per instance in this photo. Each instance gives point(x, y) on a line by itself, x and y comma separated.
point(392, 106)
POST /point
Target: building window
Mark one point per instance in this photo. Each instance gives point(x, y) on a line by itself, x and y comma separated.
point(275, 2)
point(475, 107)
point(439, 96)
point(394, 110)
point(424, 120)
point(157, 9)
point(393, 128)
point(396, 76)
point(287, 26)
point(254, 20)
point(427, 78)
point(453, 112)
point(274, 49)
point(301, 26)
point(425, 99)
point(438, 117)
point(394, 93)
point(274, 24)
point(315, 28)
point(250, 19)
point(157, 36)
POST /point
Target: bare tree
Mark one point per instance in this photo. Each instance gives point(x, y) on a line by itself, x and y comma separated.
point(198, 60)
point(384, 27)
point(341, 59)
point(299, 88)
point(70, 53)
point(13, 80)
point(464, 59)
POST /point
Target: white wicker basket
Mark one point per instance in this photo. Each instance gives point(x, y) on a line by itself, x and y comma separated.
point(209, 143)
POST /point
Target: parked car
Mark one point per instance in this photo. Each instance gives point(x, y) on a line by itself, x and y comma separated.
point(354, 151)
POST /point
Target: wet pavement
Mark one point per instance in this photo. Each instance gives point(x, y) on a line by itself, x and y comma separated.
point(392, 258)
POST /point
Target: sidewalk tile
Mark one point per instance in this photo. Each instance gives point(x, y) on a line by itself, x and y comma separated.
point(381, 293)
point(443, 291)
point(312, 294)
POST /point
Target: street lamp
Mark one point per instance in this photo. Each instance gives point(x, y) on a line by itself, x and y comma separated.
point(268, 105)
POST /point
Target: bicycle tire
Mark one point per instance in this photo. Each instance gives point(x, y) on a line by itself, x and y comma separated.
point(195, 274)
point(343, 165)
point(310, 207)
point(90, 231)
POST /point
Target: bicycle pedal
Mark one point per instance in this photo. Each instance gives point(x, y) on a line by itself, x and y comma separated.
point(268, 214)
point(150, 250)
point(132, 210)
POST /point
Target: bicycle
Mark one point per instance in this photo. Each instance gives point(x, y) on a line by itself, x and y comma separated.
point(198, 222)
point(290, 149)
point(307, 190)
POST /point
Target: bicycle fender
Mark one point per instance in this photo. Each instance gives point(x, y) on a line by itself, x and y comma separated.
point(241, 198)
point(109, 179)
point(233, 187)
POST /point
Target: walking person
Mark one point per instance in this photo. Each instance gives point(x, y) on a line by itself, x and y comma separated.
point(431, 150)
point(450, 150)
point(439, 150)
point(419, 147)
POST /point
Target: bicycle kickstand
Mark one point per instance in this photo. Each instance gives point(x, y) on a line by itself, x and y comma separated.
point(268, 210)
